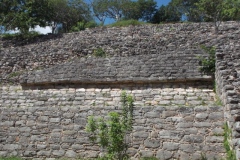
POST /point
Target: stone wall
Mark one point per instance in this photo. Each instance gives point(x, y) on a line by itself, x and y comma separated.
point(182, 123)
point(47, 51)
point(228, 86)
point(167, 94)
point(175, 117)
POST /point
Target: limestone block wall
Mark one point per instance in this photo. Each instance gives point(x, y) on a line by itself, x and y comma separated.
point(183, 122)
point(177, 39)
point(228, 87)
point(166, 94)
point(175, 113)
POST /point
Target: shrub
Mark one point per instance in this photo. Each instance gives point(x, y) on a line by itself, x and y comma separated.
point(110, 134)
point(99, 52)
point(208, 63)
point(80, 26)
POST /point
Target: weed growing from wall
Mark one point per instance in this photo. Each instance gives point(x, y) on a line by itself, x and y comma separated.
point(208, 63)
point(111, 134)
point(99, 52)
point(227, 135)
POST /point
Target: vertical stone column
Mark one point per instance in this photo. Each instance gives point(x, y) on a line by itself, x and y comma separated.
point(226, 77)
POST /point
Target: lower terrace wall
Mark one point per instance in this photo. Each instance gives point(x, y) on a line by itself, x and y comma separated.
point(175, 94)
point(171, 120)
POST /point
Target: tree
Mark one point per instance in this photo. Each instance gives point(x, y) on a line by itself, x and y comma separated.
point(123, 9)
point(68, 13)
point(147, 9)
point(26, 14)
point(213, 10)
point(166, 14)
point(186, 9)
point(110, 134)
point(99, 8)
point(22, 14)
point(233, 11)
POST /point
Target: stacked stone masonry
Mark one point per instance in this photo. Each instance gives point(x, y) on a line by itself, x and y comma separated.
point(168, 40)
point(176, 116)
point(50, 123)
point(165, 94)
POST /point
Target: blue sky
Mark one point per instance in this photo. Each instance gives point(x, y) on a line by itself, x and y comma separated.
point(162, 2)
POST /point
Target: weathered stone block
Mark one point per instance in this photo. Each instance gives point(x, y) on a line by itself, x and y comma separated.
point(11, 147)
point(58, 153)
point(166, 114)
point(187, 148)
point(30, 153)
point(44, 153)
point(184, 125)
point(170, 146)
point(193, 138)
point(152, 143)
point(201, 116)
point(70, 154)
point(141, 134)
point(169, 134)
point(163, 155)
point(145, 153)
point(214, 139)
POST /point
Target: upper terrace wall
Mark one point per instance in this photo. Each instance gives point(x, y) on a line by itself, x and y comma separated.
point(178, 39)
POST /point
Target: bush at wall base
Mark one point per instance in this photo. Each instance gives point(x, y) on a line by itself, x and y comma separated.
point(111, 134)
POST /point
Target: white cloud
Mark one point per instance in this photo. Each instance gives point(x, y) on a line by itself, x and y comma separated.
point(42, 30)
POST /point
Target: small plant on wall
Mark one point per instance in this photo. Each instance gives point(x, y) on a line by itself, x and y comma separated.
point(99, 52)
point(208, 63)
point(110, 134)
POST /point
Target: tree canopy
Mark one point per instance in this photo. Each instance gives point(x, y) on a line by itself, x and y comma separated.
point(26, 14)
point(123, 9)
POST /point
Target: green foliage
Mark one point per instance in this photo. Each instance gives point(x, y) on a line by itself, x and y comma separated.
point(227, 135)
point(144, 10)
point(23, 14)
point(109, 8)
point(218, 101)
point(208, 63)
point(68, 13)
point(217, 10)
point(26, 14)
point(125, 23)
point(20, 36)
point(186, 9)
point(124, 9)
point(83, 25)
point(166, 14)
point(99, 52)
point(110, 134)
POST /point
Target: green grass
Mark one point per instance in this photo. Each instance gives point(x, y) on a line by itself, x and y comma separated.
point(227, 135)
point(125, 23)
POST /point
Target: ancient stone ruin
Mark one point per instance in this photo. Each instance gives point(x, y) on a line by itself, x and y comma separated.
point(51, 85)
